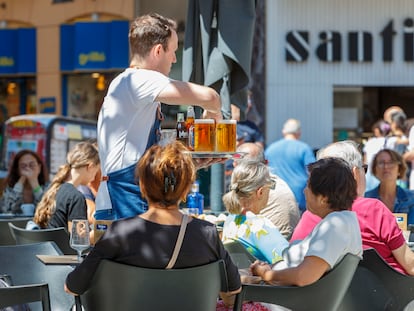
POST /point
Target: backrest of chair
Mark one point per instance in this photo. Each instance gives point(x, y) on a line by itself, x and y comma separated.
point(21, 263)
point(5, 236)
point(399, 285)
point(135, 288)
point(366, 292)
point(17, 295)
point(239, 254)
point(57, 235)
point(324, 294)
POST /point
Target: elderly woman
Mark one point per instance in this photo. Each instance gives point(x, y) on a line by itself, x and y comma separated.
point(248, 195)
point(165, 174)
point(330, 192)
point(388, 166)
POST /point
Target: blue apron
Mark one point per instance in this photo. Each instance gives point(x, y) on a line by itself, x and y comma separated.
point(123, 188)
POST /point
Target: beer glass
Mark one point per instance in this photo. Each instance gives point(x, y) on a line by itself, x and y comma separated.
point(204, 135)
point(226, 136)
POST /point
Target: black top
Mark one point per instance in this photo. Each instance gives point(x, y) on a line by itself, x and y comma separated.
point(136, 241)
point(70, 204)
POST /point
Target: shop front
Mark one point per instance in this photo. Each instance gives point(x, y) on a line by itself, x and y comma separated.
point(91, 54)
point(337, 65)
point(17, 72)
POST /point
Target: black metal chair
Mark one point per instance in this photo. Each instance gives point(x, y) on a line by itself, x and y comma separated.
point(21, 263)
point(324, 295)
point(239, 254)
point(22, 294)
point(117, 286)
point(58, 235)
point(377, 286)
point(5, 236)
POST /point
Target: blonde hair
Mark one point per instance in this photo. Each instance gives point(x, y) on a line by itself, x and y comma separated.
point(83, 154)
point(247, 177)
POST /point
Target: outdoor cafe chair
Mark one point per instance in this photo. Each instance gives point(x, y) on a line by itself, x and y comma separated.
point(117, 286)
point(5, 236)
point(378, 287)
point(324, 295)
point(57, 235)
point(23, 294)
point(22, 265)
point(239, 254)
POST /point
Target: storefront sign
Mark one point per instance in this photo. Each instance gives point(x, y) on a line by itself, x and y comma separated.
point(18, 51)
point(359, 44)
point(47, 105)
point(94, 46)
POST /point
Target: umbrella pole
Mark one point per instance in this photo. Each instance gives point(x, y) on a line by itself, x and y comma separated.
point(216, 190)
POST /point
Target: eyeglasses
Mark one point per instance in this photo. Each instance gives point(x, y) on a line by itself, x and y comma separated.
point(365, 167)
point(383, 164)
point(31, 165)
point(272, 184)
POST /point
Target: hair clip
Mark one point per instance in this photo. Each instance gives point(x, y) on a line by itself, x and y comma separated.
point(169, 182)
point(234, 187)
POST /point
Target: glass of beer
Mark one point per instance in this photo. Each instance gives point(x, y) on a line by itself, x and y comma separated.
point(204, 135)
point(226, 136)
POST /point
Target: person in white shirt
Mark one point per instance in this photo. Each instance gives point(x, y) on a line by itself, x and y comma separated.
point(129, 120)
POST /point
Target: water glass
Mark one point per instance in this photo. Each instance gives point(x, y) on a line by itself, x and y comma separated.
point(79, 237)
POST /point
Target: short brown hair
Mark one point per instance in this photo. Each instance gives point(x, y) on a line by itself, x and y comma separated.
point(165, 173)
point(148, 30)
point(395, 157)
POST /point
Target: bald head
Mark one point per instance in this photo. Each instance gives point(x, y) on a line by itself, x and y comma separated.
point(390, 111)
point(254, 152)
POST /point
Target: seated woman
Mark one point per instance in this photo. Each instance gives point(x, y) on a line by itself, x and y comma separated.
point(62, 202)
point(249, 192)
point(388, 166)
point(26, 181)
point(165, 175)
point(330, 192)
point(378, 226)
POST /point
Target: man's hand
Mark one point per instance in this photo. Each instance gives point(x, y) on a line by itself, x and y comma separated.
point(206, 162)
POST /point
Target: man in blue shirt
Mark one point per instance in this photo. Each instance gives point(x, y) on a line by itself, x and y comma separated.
point(289, 157)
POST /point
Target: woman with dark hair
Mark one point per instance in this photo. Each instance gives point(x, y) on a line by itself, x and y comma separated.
point(330, 192)
point(165, 175)
point(26, 181)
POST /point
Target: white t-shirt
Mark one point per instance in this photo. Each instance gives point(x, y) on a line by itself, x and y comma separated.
point(124, 122)
point(335, 236)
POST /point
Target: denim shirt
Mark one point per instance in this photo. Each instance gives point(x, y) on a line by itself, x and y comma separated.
point(404, 201)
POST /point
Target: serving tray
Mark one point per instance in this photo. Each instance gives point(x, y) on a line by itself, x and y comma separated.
point(217, 155)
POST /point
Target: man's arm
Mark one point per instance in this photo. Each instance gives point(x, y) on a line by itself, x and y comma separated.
point(187, 93)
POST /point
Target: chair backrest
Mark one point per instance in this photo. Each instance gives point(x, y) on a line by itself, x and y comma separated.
point(117, 286)
point(21, 263)
point(394, 288)
point(21, 294)
point(5, 236)
point(239, 254)
point(324, 295)
point(57, 235)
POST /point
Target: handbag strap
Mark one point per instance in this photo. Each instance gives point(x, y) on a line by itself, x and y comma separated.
point(179, 242)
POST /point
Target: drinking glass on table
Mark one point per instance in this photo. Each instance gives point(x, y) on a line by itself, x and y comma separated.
point(79, 236)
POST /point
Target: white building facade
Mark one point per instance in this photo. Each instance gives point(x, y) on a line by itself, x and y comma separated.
point(334, 65)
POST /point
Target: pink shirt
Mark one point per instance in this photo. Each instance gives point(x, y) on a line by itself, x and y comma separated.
point(379, 229)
